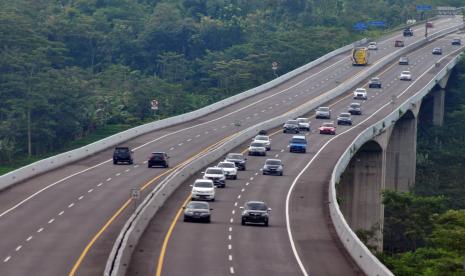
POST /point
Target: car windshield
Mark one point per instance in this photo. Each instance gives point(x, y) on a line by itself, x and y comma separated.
point(355, 105)
point(273, 162)
point(157, 155)
point(258, 206)
point(122, 150)
point(406, 72)
point(203, 184)
point(321, 108)
point(360, 89)
point(198, 205)
point(328, 124)
point(235, 156)
point(291, 122)
point(298, 141)
point(214, 171)
point(226, 165)
point(257, 144)
point(262, 138)
point(347, 115)
point(403, 58)
point(375, 79)
point(302, 120)
point(372, 43)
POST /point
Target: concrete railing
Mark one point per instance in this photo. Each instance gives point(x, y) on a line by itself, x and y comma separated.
point(359, 252)
point(129, 236)
point(62, 159)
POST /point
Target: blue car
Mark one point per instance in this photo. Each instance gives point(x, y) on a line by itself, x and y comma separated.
point(298, 143)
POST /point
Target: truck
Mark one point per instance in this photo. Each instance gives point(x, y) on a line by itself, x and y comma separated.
point(360, 56)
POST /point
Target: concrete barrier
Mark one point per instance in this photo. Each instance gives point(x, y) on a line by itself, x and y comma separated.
point(129, 236)
point(62, 159)
point(359, 252)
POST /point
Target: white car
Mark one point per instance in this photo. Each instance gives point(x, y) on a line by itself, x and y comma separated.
point(203, 189)
point(372, 46)
point(257, 148)
point(304, 123)
point(263, 138)
point(216, 175)
point(229, 169)
point(405, 75)
point(360, 93)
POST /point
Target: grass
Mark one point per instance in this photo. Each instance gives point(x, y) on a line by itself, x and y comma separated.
point(93, 137)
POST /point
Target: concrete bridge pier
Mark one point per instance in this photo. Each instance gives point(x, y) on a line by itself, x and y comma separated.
point(360, 189)
point(439, 96)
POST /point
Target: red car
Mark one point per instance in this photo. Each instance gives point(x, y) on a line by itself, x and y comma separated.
point(328, 128)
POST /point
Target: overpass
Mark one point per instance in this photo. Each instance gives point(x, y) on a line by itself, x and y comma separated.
point(75, 212)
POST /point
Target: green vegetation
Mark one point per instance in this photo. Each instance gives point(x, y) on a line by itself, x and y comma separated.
point(71, 68)
point(424, 230)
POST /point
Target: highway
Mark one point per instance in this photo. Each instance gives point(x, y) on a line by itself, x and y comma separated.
point(172, 247)
point(66, 221)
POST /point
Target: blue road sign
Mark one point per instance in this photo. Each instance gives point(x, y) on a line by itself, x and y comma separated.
point(377, 23)
point(424, 7)
point(360, 26)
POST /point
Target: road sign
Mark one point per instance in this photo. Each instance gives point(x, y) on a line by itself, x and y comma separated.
point(360, 26)
point(135, 193)
point(424, 7)
point(154, 105)
point(377, 23)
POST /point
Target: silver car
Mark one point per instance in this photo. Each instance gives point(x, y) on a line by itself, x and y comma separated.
point(257, 148)
point(197, 211)
point(323, 112)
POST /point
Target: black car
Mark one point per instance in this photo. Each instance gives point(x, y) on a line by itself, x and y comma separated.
point(403, 61)
point(273, 166)
point(355, 109)
point(238, 159)
point(374, 83)
point(437, 51)
point(158, 159)
point(456, 41)
point(344, 119)
point(197, 211)
point(255, 212)
point(291, 126)
point(122, 155)
point(262, 132)
point(408, 32)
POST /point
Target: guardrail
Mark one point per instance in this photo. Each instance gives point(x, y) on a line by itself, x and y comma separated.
point(62, 159)
point(359, 252)
point(131, 232)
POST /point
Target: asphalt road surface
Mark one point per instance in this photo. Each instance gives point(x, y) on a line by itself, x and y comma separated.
point(65, 221)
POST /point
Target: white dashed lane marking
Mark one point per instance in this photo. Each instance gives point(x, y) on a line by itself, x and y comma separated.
point(197, 136)
point(230, 229)
point(118, 174)
point(230, 257)
point(235, 204)
point(136, 166)
point(81, 197)
point(231, 220)
point(171, 148)
point(51, 221)
point(188, 140)
point(180, 144)
point(231, 270)
point(29, 238)
point(100, 184)
point(243, 189)
point(109, 179)
point(90, 191)
point(7, 259)
point(71, 205)
point(233, 212)
point(18, 248)
point(229, 246)
point(229, 237)
point(239, 196)
point(40, 230)
point(61, 213)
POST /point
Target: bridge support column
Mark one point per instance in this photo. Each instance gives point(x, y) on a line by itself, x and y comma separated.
point(360, 192)
point(401, 154)
point(438, 107)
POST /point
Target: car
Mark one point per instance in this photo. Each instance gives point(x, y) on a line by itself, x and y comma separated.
point(403, 60)
point(374, 83)
point(265, 139)
point(456, 41)
point(229, 168)
point(197, 211)
point(298, 143)
point(203, 189)
point(344, 119)
point(372, 46)
point(323, 112)
point(411, 21)
point(255, 212)
point(355, 109)
point(408, 32)
point(122, 155)
point(360, 93)
point(238, 159)
point(262, 132)
point(216, 175)
point(273, 166)
point(291, 126)
point(399, 43)
point(304, 123)
point(405, 75)
point(437, 51)
point(257, 148)
point(429, 25)
point(158, 159)
point(328, 128)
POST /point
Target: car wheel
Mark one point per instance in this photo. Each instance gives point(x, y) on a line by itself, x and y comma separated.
point(264, 173)
point(249, 153)
point(115, 162)
point(213, 199)
point(185, 219)
point(208, 220)
point(243, 222)
point(281, 174)
point(148, 166)
point(235, 177)
point(266, 223)
point(131, 162)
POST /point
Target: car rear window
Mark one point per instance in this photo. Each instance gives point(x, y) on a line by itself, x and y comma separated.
point(273, 162)
point(261, 137)
point(256, 206)
point(214, 171)
point(198, 205)
point(257, 144)
point(203, 184)
point(323, 108)
point(235, 156)
point(328, 124)
point(298, 141)
point(226, 165)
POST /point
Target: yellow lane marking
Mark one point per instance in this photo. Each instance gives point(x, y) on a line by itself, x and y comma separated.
point(126, 204)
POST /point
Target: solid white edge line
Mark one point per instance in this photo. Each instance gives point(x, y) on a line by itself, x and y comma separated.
point(288, 224)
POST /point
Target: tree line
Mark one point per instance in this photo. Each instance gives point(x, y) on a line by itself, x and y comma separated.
point(71, 67)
